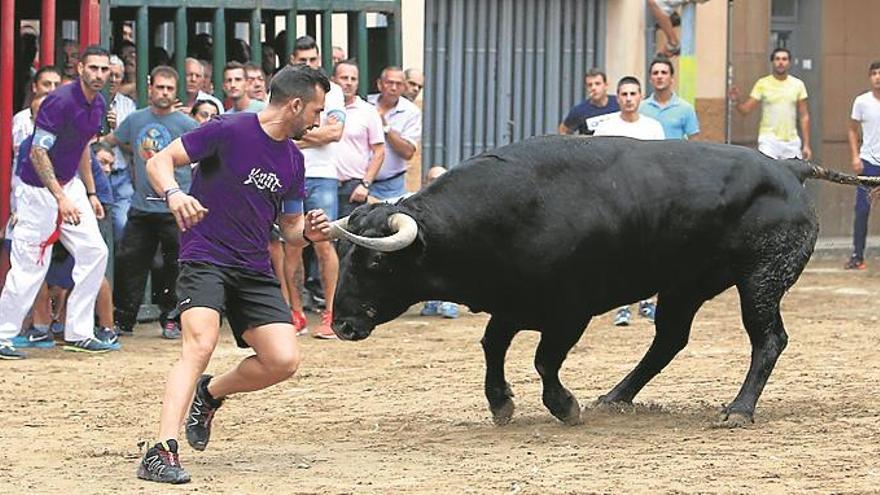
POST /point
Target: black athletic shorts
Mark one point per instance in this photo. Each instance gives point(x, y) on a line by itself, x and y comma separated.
point(248, 299)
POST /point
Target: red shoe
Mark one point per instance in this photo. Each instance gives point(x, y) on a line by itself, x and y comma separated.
point(324, 331)
point(299, 322)
point(855, 263)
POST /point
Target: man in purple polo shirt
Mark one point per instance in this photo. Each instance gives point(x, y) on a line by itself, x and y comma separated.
point(55, 204)
point(249, 171)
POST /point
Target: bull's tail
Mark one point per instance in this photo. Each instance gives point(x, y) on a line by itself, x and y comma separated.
point(805, 170)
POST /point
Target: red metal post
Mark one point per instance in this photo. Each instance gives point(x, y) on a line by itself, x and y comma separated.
point(7, 55)
point(89, 23)
point(47, 34)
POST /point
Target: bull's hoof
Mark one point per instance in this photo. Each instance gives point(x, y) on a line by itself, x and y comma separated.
point(572, 416)
point(502, 414)
point(612, 404)
point(733, 420)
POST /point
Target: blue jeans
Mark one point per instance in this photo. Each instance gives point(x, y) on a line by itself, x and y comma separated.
point(120, 183)
point(390, 188)
point(322, 193)
point(863, 209)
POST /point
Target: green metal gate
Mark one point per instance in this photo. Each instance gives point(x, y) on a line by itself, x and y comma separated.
point(260, 15)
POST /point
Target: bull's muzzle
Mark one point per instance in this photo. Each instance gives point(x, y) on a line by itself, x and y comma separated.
point(404, 228)
point(348, 330)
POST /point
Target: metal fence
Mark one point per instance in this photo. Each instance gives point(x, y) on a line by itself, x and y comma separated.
point(498, 71)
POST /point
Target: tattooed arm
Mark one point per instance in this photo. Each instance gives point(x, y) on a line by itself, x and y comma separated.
point(46, 172)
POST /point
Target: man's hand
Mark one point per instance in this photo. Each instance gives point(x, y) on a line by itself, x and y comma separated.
point(733, 94)
point(97, 207)
point(111, 118)
point(807, 152)
point(68, 211)
point(359, 195)
point(857, 165)
point(317, 226)
point(186, 210)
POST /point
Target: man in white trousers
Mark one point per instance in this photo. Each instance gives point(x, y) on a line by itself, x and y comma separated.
point(55, 204)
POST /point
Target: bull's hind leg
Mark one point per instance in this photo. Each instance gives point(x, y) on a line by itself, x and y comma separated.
point(675, 314)
point(759, 299)
point(496, 341)
point(555, 344)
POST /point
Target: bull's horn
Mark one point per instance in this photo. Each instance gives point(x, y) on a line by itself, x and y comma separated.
point(403, 226)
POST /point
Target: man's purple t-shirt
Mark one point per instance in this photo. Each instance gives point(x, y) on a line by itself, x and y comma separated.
point(242, 179)
point(74, 121)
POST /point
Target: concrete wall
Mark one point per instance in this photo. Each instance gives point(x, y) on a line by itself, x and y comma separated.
point(711, 39)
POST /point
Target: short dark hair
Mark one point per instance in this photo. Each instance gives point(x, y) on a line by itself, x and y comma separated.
point(305, 43)
point(250, 66)
point(352, 62)
point(198, 103)
point(594, 72)
point(780, 49)
point(665, 61)
point(629, 80)
point(874, 66)
point(232, 66)
point(164, 71)
point(45, 69)
point(296, 81)
point(93, 51)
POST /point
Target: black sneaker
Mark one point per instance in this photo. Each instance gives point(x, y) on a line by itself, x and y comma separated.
point(162, 465)
point(201, 412)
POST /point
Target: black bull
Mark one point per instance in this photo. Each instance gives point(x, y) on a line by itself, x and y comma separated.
point(547, 233)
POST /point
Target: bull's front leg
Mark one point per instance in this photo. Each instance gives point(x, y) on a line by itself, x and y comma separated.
point(554, 347)
point(496, 341)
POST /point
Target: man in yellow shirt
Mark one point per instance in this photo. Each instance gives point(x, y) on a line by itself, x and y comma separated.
point(783, 97)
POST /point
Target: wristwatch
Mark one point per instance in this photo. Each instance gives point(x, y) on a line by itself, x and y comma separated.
point(366, 183)
point(387, 128)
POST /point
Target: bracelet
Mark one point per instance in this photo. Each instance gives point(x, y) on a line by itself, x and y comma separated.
point(169, 192)
point(88, 194)
point(308, 241)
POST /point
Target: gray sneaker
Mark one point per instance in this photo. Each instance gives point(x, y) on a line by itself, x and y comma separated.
point(171, 330)
point(9, 352)
point(90, 345)
point(107, 335)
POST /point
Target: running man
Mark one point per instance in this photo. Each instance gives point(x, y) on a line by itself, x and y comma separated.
point(54, 204)
point(249, 171)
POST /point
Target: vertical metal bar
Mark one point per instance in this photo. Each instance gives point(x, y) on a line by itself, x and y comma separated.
point(7, 58)
point(440, 102)
point(553, 72)
point(47, 35)
point(491, 93)
point(180, 49)
point(455, 89)
point(428, 98)
point(506, 45)
point(536, 104)
point(601, 24)
point(143, 53)
point(468, 79)
point(590, 40)
point(568, 81)
point(580, 21)
point(290, 30)
point(219, 61)
point(351, 28)
point(89, 23)
point(528, 73)
point(256, 41)
point(105, 25)
point(687, 62)
point(312, 24)
point(481, 76)
point(393, 33)
point(363, 54)
point(327, 41)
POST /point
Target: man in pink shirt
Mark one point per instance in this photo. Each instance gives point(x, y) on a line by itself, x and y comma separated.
point(361, 151)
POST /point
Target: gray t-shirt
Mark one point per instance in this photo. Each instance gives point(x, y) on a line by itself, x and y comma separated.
point(148, 133)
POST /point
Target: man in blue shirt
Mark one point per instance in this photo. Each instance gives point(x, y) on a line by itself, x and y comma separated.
point(678, 118)
point(587, 115)
point(150, 223)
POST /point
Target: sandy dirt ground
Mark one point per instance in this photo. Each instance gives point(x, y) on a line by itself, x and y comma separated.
point(404, 412)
